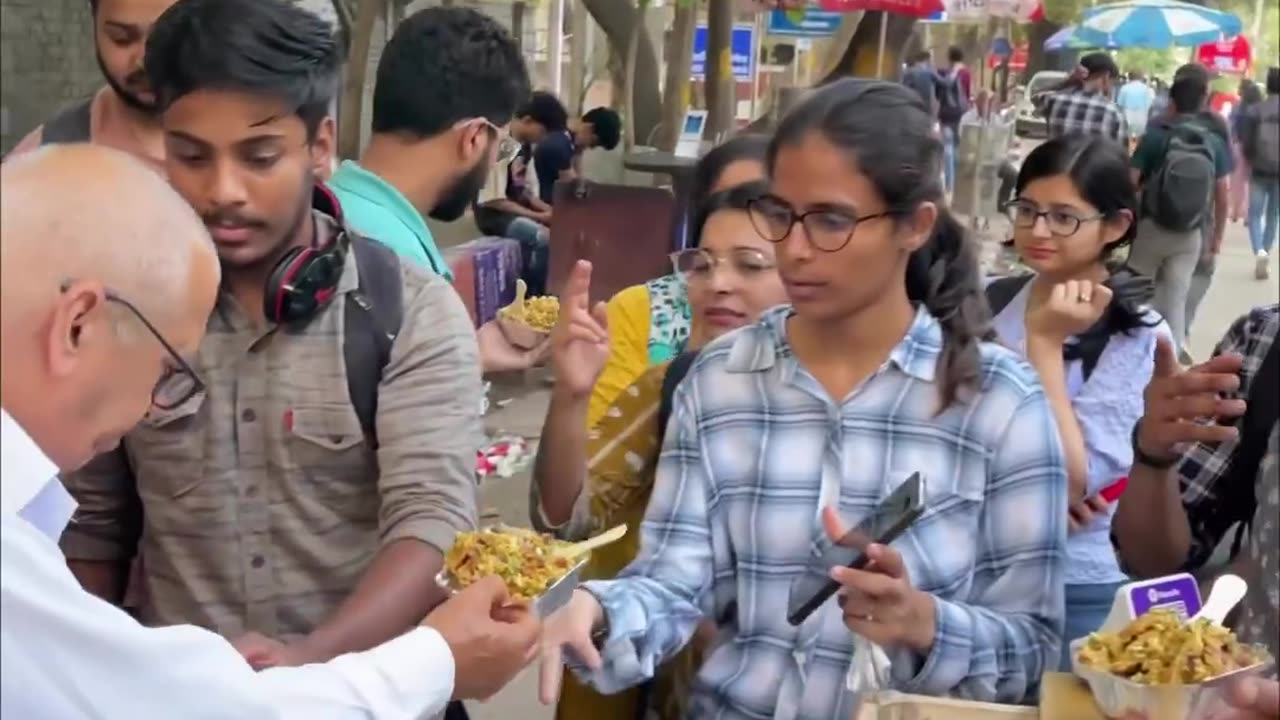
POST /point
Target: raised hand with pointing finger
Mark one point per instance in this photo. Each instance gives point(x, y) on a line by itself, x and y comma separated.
point(580, 338)
point(1177, 403)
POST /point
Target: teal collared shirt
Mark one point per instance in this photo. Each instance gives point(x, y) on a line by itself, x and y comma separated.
point(380, 212)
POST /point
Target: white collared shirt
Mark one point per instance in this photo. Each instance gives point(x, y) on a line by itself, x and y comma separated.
point(66, 654)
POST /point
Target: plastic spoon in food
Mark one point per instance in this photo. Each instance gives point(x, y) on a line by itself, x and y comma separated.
point(586, 546)
point(516, 308)
point(1227, 591)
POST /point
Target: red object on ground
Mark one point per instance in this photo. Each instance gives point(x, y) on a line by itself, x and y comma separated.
point(914, 8)
point(1230, 57)
point(1112, 492)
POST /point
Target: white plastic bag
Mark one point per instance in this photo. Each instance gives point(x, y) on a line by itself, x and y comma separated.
point(869, 672)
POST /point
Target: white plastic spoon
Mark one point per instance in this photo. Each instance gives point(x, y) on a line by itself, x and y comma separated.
point(586, 546)
point(1227, 591)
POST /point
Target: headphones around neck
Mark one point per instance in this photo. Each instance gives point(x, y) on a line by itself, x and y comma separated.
point(305, 279)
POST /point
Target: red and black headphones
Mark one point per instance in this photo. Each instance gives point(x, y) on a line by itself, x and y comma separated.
point(305, 279)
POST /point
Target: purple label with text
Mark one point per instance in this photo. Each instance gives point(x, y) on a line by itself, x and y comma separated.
point(1177, 592)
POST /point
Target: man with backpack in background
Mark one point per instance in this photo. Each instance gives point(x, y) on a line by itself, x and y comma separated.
point(1181, 165)
point(1260, 140)
point(299, 500)
point(1192, 481)
point(921, 76)
point(123, 114)
point(954, 88)
point(1083, 104)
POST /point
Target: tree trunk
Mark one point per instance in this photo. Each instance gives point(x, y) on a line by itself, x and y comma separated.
point(616, 19)
point(1037, 60)
point(629, 83)
point(675, 88)
point(721, 86)
point(351, 123)
point(861, 55)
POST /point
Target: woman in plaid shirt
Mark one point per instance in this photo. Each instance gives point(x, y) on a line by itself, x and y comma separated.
point(877, 370)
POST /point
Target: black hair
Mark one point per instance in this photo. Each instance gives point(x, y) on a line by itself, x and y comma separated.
point(93, 7)
point(1099, 170)
point(710, 167)
point(546, 110)
point(445, 65)
point(1192, 70)
point(606, 125)
point(1188, 93)
point(1273, 80)
point(271, 47)
point(1100, 63)
point(955, 54)
point(738, 197)
point(888, 133)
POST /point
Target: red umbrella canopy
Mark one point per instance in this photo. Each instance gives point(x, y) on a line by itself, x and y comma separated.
point(915, 8)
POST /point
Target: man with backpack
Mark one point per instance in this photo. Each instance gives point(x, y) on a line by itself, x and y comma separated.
point(299, 500)
point(1192, 482)
point(954, 88)
point(1181, 165)
point(921, 76)
point(1260, 140)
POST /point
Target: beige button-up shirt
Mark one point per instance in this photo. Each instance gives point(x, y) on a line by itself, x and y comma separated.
point(262, 503)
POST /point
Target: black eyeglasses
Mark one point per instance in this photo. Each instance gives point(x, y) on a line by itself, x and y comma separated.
point(179, 382)
point(829, 230)
point(1060, 223)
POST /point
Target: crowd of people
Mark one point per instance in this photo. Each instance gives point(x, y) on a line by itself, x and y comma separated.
point(239, 437)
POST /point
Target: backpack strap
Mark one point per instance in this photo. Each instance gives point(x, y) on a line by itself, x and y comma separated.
point(676, 371)
point(71, 125)
point(1001, 291)
point(374, 312)
point(1260, 417)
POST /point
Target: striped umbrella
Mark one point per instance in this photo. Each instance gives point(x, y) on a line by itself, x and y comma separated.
point(1069, 39)
point(1154, 24)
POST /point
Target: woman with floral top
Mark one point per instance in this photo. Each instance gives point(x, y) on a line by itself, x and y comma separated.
point(877, 370)
point(586, 481)
point(649, 323)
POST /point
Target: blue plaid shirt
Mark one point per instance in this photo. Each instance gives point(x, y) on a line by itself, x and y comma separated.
point(755, 448)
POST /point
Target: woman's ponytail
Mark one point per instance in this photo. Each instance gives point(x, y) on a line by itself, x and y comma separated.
point(945, 276)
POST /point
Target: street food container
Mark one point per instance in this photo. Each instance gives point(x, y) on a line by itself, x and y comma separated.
point(519, 334)
point(892, 705)
point(553, 598)
point(1117, 696)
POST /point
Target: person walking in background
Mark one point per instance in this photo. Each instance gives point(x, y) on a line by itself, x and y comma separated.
point(955, 93)
point(1083, 104)
point(1250, 94)
point(1260, 143)
point(921, 77)
point(1135, 98)
point(1181, 165)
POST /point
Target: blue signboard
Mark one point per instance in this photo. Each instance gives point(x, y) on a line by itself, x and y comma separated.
point(937, 16)
point(742, 46)
point(814, 23)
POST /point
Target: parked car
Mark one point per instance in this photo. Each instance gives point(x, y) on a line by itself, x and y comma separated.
point(1029, 123)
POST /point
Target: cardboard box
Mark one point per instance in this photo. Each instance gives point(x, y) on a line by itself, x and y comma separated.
point(462, 265)
point(891, 705)
point(498, 265)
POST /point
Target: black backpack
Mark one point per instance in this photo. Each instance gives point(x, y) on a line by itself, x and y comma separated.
point(1178, 193)
point(952, 101)
point(1087, 348)
point(374, 312)
point(676, 371)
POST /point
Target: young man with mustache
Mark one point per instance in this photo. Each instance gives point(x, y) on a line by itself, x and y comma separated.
point(123, 114)
point(280, 506)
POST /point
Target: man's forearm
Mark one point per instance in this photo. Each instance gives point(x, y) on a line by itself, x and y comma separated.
point(1150, 524)
point(394, 595)
point(105, 578)
point(514, 208)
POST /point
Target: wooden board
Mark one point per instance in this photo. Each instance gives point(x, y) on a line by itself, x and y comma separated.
point(1064, 696)
point(900, 706)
